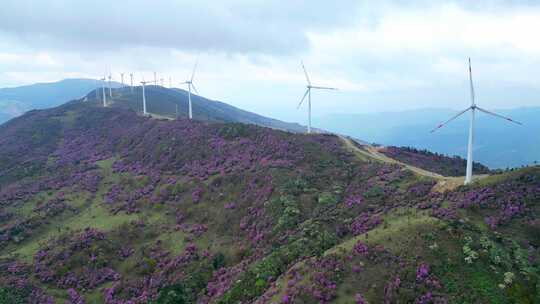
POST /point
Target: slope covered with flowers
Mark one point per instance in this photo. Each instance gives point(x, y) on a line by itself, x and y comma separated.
point(104, 206)
point(434, 162)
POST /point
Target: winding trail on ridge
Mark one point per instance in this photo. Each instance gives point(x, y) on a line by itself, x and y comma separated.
point(444, 183)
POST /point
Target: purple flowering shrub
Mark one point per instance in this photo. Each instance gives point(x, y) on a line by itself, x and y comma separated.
point(16, 284)
point(434, 162)
point(26, 144)
point(318, 280)
point(80, 261)
point(499, 203)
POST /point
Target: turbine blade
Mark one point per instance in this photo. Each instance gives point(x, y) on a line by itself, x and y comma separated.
point(303, 98)
point(194, 88)
point(499, 116)
point(306, 73)
point(473, 102)
point(323, 88)
point(194, 69)
point(454, 117)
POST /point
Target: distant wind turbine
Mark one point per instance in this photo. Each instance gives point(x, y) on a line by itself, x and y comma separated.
point(155, 78)
point(308, 95)
point(144, 96)
point(103, 87)
point(131, 81)
point(110, 86)
point(191, 86)
point(122, 79)
point(472, 108)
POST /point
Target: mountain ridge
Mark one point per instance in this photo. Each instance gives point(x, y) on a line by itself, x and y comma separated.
point(166, 102)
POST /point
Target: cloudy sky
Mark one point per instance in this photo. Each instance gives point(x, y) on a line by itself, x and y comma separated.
point(382, 55)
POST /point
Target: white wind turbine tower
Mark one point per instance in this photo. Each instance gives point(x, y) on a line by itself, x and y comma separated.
point(308, 95)
point(191, 86)
point(155, 78)
point(472, 108)
point(122, 79)
point(103, 87)
point(131, 81)
point(144, 96)
point(110, 87)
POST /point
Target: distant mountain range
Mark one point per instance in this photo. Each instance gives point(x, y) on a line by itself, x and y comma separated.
point(161, 102)
point(15, 101)
point(499, 144)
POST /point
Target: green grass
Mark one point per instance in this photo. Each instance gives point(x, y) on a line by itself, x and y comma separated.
point(69, 118)
point(96, 296)
point(174, 241)
point(25, 209)
point(396, 228)
point(474, 283)
point(91, 213)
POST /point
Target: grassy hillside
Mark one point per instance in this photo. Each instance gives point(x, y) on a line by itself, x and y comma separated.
point(100, 205)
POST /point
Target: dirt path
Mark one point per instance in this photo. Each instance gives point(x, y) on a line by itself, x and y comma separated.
point(156, 116)
point(444, 183)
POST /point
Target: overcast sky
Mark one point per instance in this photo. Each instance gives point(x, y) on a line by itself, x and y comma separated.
point(382, 55)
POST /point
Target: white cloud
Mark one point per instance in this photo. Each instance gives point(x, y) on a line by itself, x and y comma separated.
point(380, 55)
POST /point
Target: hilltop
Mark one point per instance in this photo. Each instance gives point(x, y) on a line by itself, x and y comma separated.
point(101, 205)
point(173, 103)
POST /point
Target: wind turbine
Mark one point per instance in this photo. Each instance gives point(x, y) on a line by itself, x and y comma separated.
point(308, 95)
point(103, 87)
point(472, 108)
point(110, 88)
point(122, 79)
point(155, 78)
point(191, 86)
point(131, 78)
point(144, 96)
